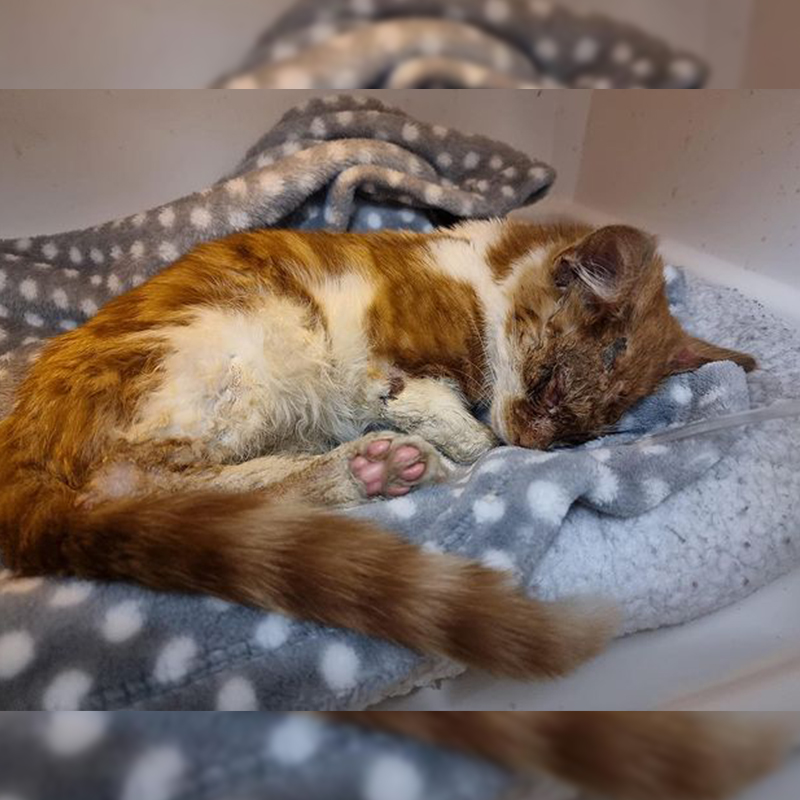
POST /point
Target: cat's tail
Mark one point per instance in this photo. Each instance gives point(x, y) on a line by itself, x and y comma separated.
point(324, 567)
point(625, 755)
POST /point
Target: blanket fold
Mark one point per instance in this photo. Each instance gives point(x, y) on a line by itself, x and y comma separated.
point(350, 44)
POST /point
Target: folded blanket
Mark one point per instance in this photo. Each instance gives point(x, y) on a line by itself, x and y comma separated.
point(350, 44)
point(672, 531)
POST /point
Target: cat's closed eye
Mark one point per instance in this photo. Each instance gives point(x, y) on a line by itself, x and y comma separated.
point(612, 353)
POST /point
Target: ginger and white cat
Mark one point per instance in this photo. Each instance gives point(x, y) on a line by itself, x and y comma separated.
point(193, 434)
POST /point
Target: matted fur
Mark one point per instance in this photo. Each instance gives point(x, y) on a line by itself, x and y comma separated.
point(170, 440)
point(625, 755)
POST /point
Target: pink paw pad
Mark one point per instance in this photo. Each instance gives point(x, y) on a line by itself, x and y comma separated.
point(388, 473)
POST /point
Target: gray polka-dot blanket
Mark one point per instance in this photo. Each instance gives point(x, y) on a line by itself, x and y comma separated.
point(184, 756)
point(461, 44)
point(671, 530)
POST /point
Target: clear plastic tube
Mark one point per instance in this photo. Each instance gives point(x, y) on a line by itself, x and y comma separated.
point(778, 411)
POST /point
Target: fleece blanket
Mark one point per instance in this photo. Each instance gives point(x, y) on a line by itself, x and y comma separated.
point(672, 531)
point(395, 44)
point(184, 756)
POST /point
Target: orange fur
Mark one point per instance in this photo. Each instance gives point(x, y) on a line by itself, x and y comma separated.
point(526, 325)
point(625, 755)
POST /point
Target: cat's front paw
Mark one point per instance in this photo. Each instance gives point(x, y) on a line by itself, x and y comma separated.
point(392, 464)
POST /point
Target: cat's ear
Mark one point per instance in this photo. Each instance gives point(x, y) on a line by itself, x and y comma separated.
point(693, 353)
point(605, 261)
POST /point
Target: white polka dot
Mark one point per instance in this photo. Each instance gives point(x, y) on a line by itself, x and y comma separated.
point(137, 249)
point(71, 593)
point(508, 191)
point(292, 78)
point(273, 632)
point(547, 49)
point(656, 490)
point(499, 560)
point(237, 694)
point(606, 489)
point(318, 128)
point(410, 132)
point(295, 740)
point(50, 251)
point(339, 667)
point(89, 307)
point(70, 733)
point(200, 217)
point(291, 148)
point(654, 450)
point(271, 183)
point(586, 50)
point(29, 289)
point(156, 775)
point(31, 340)
point(114, 284)
point(60, 298)
point(96, 256)
point(139, 220)
point(471, 160)
point(345, 117)
point(71, 273)
point(393, 778)
point(670, 273)
point(167, 251)
point(374, 220)
point(2, 279)
point(440, 132)
point(34, 320)
point(681, 394)
point(23, 245)
point(643, 68)
point(16, 652)
point(488, 510)
point(433, 193)
point(122, 622)
point(444, 160)
point(622, 53)
point(239, 220)
point(67, 691)
point(403, 507)
point(548, 501)
point(68, 324)
point(75, 255)
point(116, 252)
point(175, 660)
point(96, 280)
point(683, 70)
point(432, 547)
point(538, 173)
point(407, 216)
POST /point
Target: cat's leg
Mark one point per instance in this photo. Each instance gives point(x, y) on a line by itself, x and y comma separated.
point(436, 411)
point(385, 464)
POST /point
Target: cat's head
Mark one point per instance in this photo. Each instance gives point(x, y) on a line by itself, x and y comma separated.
point(588, 337)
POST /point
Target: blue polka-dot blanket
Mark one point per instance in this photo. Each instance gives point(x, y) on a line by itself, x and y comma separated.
point(671, 531)
point(182, 756)
point(459, 44)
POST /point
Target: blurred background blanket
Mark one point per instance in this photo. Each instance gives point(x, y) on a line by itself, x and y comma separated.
point(670, 531)
point(422, 44)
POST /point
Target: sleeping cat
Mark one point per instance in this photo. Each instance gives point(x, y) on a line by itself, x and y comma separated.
point(193, 435)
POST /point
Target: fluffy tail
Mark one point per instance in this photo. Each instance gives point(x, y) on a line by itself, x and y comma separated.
point(625, 755)
point(316, 566)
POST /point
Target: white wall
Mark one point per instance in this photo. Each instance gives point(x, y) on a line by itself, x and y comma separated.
point(719, 171)
point(73, 159)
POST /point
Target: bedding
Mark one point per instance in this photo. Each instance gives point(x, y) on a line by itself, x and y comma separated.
point(671, 531)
